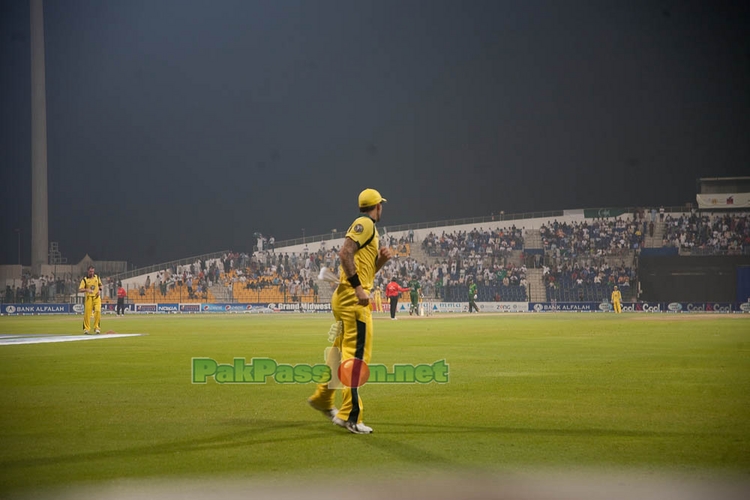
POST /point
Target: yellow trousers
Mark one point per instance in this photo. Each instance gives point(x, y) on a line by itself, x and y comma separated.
point(355, 342)
point(378, 304)
point(617, 306)
point(95, 305)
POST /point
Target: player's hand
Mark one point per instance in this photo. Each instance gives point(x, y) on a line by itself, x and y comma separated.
point(362, 298)
point(384, 255)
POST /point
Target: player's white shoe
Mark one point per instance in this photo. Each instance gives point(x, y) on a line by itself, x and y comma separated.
point(329, 414)
point(353, 428)
point(97, 331)
point(86, 332)
point(358, 428)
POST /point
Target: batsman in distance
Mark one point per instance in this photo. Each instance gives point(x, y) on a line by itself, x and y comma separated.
point(361, 258)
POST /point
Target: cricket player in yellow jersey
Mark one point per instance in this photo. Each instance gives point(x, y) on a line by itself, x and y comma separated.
point(361, 258)
point(617, 300)
point(91, 285)
point(378, 298)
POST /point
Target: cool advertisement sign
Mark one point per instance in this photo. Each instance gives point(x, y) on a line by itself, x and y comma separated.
point(714, 307)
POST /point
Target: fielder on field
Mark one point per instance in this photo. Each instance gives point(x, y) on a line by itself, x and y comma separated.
point(377, 297)
point(361, 258)
point(414, 294)
point(617, 300)
point(472, 295)
point(91, 285)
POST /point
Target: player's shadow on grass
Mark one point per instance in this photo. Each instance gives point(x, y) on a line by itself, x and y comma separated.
point(416, 455)
point(248, 437)
point(414, 428)
point(256, 432)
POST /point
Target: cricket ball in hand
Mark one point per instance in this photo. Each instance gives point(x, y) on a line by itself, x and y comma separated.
point(353, 372)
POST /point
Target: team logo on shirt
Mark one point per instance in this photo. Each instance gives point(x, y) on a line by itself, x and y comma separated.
point(358, 228)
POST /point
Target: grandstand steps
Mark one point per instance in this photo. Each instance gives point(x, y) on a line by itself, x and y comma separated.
point(532, 239)
point(417, 253)
point(516, 258)
point(658, 238)
point(536, 290)
point(325, 290)
point(221, 293)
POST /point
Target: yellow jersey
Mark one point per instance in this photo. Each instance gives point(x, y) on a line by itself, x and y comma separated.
point(92, 285)
point(616, 296)
point(364, 233)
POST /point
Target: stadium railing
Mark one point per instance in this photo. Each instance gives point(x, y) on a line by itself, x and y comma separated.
point(168, 265)
point(470, 220)
point(713, 251)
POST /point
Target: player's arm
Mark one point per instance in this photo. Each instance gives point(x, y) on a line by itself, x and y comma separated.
point(346, 255)
point(82, 286)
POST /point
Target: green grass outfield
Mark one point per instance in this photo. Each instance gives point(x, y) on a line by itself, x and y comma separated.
point(650, 392)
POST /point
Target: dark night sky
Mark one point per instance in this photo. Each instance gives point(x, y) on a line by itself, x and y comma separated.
point(196, 123)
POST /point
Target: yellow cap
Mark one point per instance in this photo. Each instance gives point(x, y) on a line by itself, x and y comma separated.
point(369, 198)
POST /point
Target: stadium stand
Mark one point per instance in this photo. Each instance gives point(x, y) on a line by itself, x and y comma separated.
point(449, 259)
point(709, 234)
point(600, 237)
point(464, 243)
point(569, 258)
point(587, 282)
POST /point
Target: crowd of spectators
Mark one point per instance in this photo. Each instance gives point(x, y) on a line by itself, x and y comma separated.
point(39, 289)
point(576, 272)
point(597, 238)
point(586, 280)
point(504, 279)
point(292, 275)
point(477, 241)
point(724, 233)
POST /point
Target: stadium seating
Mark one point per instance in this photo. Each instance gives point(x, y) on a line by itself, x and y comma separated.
point(485, 242)
point(492, 293)
point(600, 237)
point(707, 234)
point(174, 294)
point(579, 284)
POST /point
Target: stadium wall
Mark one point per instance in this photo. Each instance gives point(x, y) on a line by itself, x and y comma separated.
point(690, 279)
point(427, 308)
